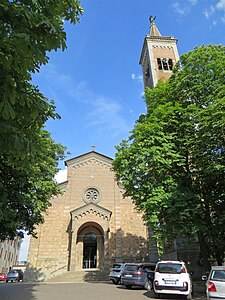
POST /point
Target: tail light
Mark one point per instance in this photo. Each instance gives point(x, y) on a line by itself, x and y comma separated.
point(156, 282)
point(211, 287)
point(138, 273)
point(183, 270)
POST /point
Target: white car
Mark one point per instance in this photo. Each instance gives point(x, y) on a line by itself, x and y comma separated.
point(171, 277)
point(215, 285)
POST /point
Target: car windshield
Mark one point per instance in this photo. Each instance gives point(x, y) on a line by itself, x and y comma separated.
point(131, 267)
point(169, 268)
point(218, 275)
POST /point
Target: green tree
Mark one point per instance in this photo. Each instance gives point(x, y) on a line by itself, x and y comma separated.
point(28, 155)
point(173, 163)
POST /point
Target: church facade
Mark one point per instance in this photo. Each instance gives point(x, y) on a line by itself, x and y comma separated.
point(90, 225)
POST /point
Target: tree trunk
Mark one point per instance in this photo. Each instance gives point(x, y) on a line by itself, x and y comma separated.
point(204, 252)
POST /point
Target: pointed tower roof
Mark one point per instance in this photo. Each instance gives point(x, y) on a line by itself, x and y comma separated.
point(155, 37)
point(154, 31)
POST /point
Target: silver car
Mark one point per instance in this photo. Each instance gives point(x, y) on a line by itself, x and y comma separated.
point(116, 272)
point(215, 284)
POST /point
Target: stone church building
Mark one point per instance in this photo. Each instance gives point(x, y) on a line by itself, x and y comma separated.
point(91, 225)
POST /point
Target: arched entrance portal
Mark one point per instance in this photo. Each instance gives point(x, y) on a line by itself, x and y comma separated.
point(90, 244)
point(90, 251)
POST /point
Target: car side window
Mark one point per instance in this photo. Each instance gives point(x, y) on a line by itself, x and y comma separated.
point(218, 275)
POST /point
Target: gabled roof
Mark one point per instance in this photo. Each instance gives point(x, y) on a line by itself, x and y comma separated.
point(89, 155)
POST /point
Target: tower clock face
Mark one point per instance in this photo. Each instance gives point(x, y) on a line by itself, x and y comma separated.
point(91, 195)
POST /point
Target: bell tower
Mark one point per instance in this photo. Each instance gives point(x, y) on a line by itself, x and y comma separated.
point(158, 57)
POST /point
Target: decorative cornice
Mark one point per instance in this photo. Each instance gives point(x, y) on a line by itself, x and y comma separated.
point(91, 209)
point(167, 39)
point(90, 158)
point(161, 38)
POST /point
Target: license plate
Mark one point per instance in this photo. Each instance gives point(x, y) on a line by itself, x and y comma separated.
point(172, 282)
point(128, 275)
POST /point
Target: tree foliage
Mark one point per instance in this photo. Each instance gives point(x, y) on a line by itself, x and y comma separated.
point(28, 155)
point(173, 163)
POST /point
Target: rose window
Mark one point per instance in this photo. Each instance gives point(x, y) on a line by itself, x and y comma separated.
point(91, 195)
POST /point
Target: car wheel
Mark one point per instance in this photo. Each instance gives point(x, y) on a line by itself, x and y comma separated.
point(6, 281)
point(128, 286)
point(115, 281)
point(148, 285)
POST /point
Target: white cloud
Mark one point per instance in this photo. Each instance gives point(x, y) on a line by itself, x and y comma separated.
point(105, 114)
point(179, 8)
point(221, 5)
point(208, 11)
point(183, 7)
point(61, 176)
point(138, 77)
point(193, 2)
point(212, 10)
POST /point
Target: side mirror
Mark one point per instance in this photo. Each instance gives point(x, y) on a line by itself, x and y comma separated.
point(204, 277)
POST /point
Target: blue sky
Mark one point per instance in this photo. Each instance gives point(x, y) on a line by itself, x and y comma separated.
point(96, 83)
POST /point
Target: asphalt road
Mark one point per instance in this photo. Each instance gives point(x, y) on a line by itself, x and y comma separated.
point(75, 291)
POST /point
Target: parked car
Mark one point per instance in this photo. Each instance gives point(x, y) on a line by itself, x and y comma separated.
point(138, 274)
point(215, 284)
point(2, 276)
point(171, 277)
point(116, 272)
point(14, 275)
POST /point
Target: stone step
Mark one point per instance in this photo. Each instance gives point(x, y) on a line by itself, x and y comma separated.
point(80, 276)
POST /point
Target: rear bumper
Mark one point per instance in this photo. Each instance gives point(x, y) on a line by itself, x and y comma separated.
point(214, 297)
point(178, 290)
point(170, 288)
point(132, 282)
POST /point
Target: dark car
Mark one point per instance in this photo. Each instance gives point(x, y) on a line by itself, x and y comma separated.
point(138, 274)
point(2, 276)
point(116, 272)
point(14, 275)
